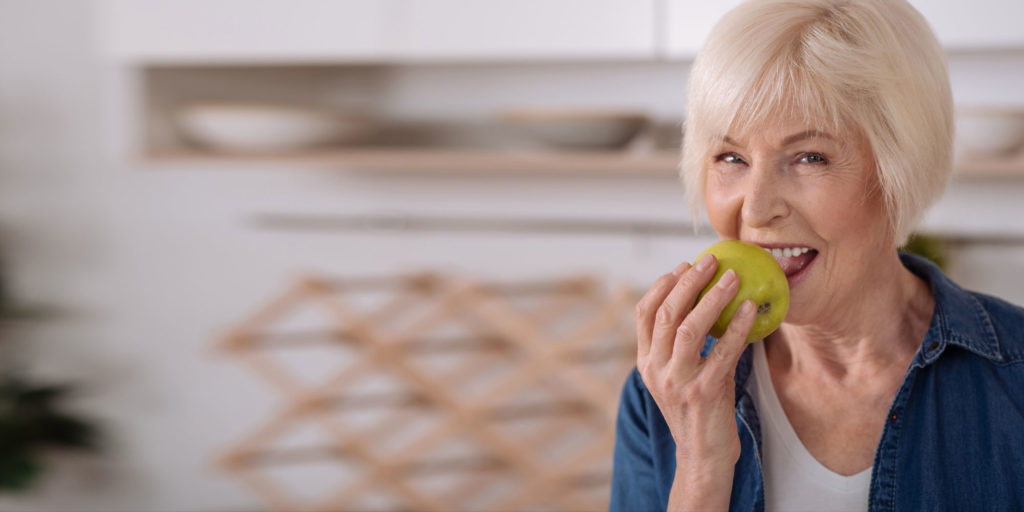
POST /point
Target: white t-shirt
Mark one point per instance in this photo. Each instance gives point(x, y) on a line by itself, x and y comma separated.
point(793, 479)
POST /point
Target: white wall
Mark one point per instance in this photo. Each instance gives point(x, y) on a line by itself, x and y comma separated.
point(150, 265)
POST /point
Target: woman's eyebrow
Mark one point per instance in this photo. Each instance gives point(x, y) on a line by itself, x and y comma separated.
point(792, 138)
point(805, 135)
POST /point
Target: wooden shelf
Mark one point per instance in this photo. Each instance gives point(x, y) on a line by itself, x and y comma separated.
point(448, 160)
point(479, 161)
point(1011, 166)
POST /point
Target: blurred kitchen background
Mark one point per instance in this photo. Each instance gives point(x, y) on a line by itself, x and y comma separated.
point(219, 217)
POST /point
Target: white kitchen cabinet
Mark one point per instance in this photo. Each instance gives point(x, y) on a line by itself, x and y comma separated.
point(688, 23)
point(528, 29)
point(959, 25)
point(975, 25)
point(377, 30)
point(246, 30)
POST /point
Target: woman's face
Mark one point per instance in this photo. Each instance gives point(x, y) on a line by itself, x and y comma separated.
point(796, 187)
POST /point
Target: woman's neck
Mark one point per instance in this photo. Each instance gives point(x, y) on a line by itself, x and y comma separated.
point(879, 330)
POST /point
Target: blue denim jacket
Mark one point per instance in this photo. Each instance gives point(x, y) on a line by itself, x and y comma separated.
point(954, 438)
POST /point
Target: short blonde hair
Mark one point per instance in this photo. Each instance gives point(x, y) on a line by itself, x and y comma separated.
point(871, 65)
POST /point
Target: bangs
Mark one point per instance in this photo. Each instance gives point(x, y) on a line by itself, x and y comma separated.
point(746, 103)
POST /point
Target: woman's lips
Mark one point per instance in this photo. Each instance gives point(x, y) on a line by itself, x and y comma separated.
point(792, 262)
point(794, 259)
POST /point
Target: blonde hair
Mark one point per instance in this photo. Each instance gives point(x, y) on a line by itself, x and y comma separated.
point(873, 66)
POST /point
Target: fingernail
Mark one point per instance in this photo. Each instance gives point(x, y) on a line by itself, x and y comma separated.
point(704, 263)
point(746, 308)
point(679, 268)
point(727, 279)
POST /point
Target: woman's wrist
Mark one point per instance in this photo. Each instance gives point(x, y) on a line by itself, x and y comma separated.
point(710, 473)
point(719, 461)
point(701, 488)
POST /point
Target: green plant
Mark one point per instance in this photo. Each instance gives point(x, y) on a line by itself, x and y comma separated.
point(31, 422)
point(929, 247)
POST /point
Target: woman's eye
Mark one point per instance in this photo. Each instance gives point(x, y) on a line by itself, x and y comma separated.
point(729, 158)
point(813, 158)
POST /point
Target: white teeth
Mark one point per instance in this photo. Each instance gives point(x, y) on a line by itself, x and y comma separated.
point(788, 252)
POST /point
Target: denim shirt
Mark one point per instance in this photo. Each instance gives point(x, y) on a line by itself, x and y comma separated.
point(953, 438)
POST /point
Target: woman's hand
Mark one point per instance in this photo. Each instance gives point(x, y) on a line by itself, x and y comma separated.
point(696, 395)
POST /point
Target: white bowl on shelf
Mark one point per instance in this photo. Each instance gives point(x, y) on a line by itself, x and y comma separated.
point(982, 131)
point(579, 128)
point(267, 127)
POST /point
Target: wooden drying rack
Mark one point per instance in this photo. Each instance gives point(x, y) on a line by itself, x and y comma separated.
point(578, 374)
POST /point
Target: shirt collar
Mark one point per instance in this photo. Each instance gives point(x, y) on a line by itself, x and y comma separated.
point(959, 318)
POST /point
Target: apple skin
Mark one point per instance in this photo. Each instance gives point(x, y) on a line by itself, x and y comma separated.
point(761, 280)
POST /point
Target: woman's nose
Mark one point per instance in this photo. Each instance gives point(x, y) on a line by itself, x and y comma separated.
point(763, 197)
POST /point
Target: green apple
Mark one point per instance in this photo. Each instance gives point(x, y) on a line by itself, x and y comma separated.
point(761, 280)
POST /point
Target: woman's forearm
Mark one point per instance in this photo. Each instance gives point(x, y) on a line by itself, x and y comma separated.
point(701, 488)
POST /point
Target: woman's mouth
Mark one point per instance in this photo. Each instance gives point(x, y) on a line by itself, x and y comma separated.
point(793, 260)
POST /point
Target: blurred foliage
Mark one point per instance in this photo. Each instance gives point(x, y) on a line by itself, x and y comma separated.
point(930, 247)
point(31, 422)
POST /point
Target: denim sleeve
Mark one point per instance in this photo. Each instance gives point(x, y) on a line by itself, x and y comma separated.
point(633, 473)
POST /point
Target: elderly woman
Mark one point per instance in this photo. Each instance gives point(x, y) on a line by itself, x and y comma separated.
point(822, 129)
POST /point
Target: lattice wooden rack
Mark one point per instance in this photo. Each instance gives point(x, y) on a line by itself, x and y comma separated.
point(453, 395)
